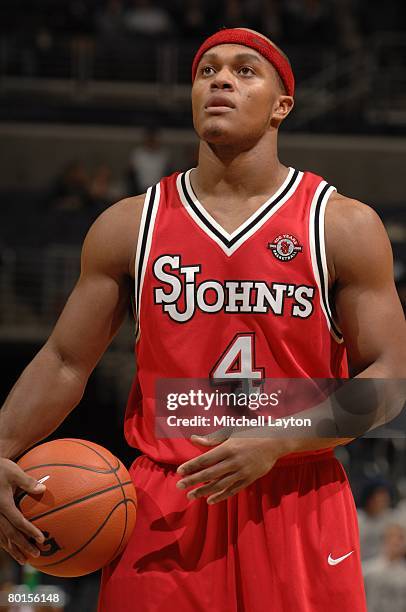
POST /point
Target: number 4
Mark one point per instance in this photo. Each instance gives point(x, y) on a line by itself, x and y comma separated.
point(238, 360)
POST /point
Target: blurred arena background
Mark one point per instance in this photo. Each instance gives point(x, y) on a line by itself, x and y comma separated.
point(95, 106)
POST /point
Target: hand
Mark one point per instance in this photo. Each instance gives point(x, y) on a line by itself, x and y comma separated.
point(234, 464)
point(14, 528)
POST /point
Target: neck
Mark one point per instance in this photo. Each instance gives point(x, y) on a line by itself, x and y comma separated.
point(224, 169)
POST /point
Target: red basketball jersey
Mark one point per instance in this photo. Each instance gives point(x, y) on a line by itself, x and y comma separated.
point(253, 303)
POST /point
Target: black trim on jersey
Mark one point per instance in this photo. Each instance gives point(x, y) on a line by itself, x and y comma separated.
point(214, 230)
point(319, 260)
point(143, 248)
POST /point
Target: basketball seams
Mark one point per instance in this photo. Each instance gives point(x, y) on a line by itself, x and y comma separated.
point(109, 466)
point(96, 452)
point(115, 474)
point(80, 499)
point(73, 465)
point(125, 524)
point(23, 494)
point(125, 501)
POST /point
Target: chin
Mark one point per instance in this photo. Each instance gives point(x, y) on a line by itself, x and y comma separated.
point(215, 132)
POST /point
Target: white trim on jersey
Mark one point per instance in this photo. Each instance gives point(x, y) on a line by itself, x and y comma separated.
point(149, 213)
point(229, 243)
point(318, 253)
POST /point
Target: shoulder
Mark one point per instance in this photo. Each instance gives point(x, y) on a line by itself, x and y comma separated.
point(345, 213)
point(355, 236)
point(128, 210)
point(112, 239)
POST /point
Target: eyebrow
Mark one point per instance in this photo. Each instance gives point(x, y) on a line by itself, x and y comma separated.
point(240, 57)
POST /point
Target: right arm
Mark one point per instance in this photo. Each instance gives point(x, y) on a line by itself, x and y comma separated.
point(54, 382)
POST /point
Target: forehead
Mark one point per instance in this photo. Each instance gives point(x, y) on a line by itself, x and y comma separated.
point(230, 51)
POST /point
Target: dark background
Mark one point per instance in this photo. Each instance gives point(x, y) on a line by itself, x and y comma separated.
point(95, 96)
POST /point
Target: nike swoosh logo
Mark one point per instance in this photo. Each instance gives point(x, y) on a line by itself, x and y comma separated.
point(332, 561)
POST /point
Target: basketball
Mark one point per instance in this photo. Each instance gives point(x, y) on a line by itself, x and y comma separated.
point(88, 510)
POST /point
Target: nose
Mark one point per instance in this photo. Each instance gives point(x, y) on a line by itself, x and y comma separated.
point(222, 80)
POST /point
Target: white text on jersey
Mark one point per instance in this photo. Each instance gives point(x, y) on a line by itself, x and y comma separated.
point(183, 294)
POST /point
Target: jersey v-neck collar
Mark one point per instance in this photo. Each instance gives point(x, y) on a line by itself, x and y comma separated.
point(229, 243)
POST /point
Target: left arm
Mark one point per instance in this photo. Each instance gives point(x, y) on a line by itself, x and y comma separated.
point(372, 322)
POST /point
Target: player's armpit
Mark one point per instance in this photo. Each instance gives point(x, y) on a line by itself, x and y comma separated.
point(366, 302)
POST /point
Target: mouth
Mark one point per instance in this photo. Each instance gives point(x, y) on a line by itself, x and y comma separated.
point(217, 105)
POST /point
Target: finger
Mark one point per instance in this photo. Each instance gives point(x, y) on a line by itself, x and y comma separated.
point(17, 538)
point(212, 473)
point(16, 553)
point(218, 497)
point(211, 439)
point(23, 481)
point(16, 518)
point(203, 461)
point(210, 488)
point(24, 545)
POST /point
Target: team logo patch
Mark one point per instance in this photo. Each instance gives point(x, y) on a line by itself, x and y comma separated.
point(285, 247)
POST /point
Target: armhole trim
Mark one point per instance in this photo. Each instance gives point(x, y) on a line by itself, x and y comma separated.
point(318, 253)
point(146, 230)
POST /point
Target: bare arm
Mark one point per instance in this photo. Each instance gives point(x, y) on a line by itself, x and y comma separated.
point(54, 382)
point(368, 307)
point(371, 318)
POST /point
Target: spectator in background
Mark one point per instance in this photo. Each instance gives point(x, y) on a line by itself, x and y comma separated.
point(146, 17)
point(265, 15)
point(305, 21)
point(234, 14)
point(148, 162)
point(192, 17)
point(110, 21)
point(71, 189)
point(71, 206)
point(79, 17)
point(80, 25)
point(374, 516)
point(347, 24)
point(385, 576)
point(103, 190)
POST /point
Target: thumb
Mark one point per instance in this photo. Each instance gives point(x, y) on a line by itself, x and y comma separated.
point(211, 439)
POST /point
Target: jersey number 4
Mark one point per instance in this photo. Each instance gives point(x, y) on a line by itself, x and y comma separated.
point(237, 362)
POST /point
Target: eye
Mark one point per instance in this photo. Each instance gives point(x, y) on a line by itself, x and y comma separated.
point(246, 71)
point(207, 70)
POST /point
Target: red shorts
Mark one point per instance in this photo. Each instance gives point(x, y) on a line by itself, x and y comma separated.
point(280, 544)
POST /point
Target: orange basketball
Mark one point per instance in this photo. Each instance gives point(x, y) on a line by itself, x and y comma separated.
point(88, 510)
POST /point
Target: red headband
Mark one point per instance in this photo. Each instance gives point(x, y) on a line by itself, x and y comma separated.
point(239, 36)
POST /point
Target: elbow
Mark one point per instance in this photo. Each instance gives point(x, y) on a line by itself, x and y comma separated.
point(71, 370)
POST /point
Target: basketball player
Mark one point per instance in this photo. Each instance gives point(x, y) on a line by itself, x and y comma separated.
point(240, 260)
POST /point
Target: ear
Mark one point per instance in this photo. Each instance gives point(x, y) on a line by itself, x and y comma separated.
point(281, 109)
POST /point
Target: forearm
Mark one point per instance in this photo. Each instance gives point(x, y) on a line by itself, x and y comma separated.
point(372, 398)
point(47, 390)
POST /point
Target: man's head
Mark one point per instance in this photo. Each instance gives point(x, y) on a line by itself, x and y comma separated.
point(243, 87)
point(376, 497)
point(394, 544)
